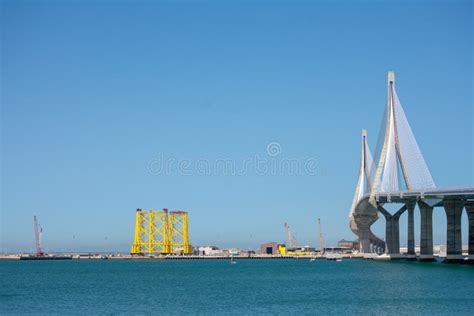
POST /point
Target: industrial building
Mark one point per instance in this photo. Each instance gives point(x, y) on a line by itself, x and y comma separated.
point(272, 248)
point(349, 244)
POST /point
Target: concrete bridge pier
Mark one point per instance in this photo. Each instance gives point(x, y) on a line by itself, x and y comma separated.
point(381, 248)
point(377, 247)
point(426, 232)
point(470, 216)
point(453, 210)
point(392, 231)
point(411, 231)
point(365, 242)
point(372, 248)
point(363, 224)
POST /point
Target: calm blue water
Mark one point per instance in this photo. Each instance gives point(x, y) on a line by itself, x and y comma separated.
point(249, 287)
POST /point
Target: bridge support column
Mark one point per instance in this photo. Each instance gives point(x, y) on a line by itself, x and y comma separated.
point(453, 210)
point(411, 230)
point(470, 216)
point(389, 234)
point(392, 231)
point(363, 224)
point(426, 232)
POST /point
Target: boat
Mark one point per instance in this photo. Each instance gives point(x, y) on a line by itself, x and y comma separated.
point(334, 257)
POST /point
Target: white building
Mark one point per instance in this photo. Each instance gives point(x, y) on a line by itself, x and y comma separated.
point(209, 251)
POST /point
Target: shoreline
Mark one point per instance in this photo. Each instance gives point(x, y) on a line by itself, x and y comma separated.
point(328, 257)
point(178, 257)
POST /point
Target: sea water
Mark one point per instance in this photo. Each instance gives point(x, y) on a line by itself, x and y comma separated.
point(283, 286)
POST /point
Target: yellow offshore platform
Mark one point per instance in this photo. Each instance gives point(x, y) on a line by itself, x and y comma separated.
point(160, 232)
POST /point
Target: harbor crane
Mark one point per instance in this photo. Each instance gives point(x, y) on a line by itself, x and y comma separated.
point(291, 240)
point(38, 237)
point(321, 239)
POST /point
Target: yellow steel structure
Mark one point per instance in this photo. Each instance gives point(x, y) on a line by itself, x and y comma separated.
point(157, 232)
point(179, 232)
point(137, 245)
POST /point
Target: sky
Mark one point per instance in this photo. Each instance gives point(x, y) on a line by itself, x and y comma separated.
point(202, 106)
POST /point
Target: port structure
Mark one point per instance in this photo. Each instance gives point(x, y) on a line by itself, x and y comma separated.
point(321, 238)
point(38, 237)
point(178, 228)
point(291, 240)
point(161, 232)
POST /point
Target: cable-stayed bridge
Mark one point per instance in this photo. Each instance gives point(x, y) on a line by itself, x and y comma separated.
point(398, 173)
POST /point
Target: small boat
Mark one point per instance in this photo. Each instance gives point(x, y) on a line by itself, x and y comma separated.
point(232, 261)
point(334, 257)
point(312, 259)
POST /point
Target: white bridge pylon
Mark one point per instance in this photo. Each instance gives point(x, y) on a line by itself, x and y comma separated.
point(363, 183)
point(397, 165)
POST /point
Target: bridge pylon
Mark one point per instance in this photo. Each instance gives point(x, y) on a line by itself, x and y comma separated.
point(399, 162)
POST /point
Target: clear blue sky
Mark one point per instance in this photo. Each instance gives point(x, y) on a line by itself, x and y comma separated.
point(92, 91)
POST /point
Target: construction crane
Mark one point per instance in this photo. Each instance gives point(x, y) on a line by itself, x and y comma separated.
point(321, 239)
point(38, 237)
point(291, 240)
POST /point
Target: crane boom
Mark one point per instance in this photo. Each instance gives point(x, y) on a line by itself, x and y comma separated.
point(291, 240)
point(321, 239)
point(38, 236)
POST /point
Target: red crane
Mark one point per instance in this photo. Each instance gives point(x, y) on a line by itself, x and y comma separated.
point(38, 233)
